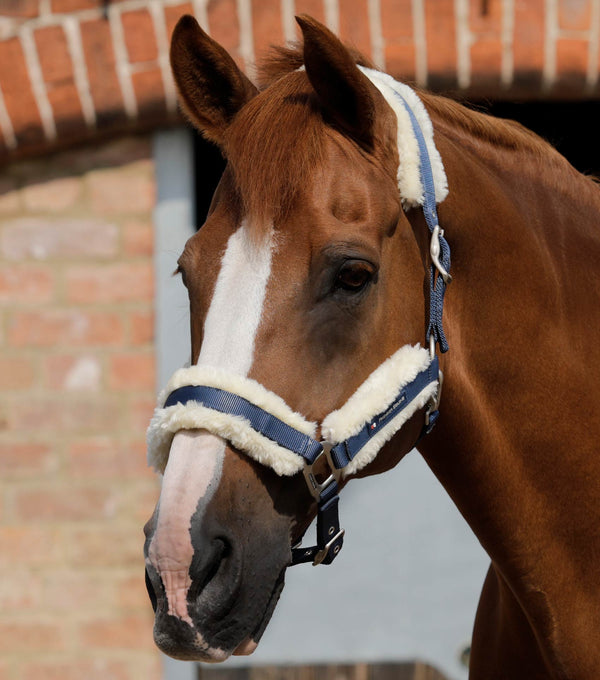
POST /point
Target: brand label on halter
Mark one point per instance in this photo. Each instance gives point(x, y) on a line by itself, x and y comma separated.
point(383, 418)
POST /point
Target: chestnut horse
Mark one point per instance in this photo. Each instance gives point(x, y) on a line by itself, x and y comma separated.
point(311, 271)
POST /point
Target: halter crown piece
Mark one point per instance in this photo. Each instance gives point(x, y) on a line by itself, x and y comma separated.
point(260, 424)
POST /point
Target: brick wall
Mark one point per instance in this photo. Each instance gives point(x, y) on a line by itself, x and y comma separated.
point(77, 372)
point(76, 69)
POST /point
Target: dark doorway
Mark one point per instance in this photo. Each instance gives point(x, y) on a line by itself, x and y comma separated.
point(208, 168)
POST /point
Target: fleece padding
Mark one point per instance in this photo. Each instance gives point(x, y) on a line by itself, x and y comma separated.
point(409, 173)
point(373, 397)
point(237, 430)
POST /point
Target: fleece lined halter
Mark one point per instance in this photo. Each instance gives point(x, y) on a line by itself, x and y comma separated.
point(260, 424)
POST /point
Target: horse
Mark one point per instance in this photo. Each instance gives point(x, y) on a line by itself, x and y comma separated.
point(316, 289)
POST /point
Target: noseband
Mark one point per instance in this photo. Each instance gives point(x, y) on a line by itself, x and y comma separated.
point(259, 423)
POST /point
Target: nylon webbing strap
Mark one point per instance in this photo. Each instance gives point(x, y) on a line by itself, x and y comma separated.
point(345, 451)
point(260, 420)
point(437, 285)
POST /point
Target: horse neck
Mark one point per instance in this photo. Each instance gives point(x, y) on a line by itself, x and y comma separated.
point(516, 443)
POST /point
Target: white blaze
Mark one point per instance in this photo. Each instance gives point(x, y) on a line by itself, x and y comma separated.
point(195, 464)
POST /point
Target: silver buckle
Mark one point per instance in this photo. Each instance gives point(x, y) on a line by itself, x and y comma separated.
point(435, 250)
point(315, 487)
point(322, 554)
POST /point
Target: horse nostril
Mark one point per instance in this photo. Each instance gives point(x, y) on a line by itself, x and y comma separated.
point(151, 591)
point(211, 561)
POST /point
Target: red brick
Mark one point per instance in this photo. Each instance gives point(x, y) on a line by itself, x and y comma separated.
point(100, 63)
point(149, 92)
point(19, 459)
point(313, 8)
point(174, 13)
point(52, 195)
point(72, 373)
point(29, 546)
point(485, 18)
point(79, 669)
point(121, 192)
point(140, 38)
point(16, 636)
point(571, 62)
point(75, 502)
point(397, 29)
point(59, 6)
point(575, 15)
point(102, 458)
point(132, 632)
point(21, 591)
point(20, 8)
point(224, 25)
point(72, 591)
point(138, 238)
point(141, 328)
point(53, 53)
point(354, 27)
point(16, 373)
point(68, 114)
point(528, 42)
point(89, 415)
point(132, 593)
point(45, 238)
point(25, 284)
point(140, 412)
point(108, 546)
point(49, 327)
point(18, 96)
point(120, 282)
point(486, 62)
point(267, 27)
point(441, 43)
point(132, 371)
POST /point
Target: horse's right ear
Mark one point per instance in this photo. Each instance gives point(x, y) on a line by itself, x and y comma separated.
point(211, 86)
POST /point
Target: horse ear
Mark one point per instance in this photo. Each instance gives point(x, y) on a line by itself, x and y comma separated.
point(211, 86)
point(345, 93)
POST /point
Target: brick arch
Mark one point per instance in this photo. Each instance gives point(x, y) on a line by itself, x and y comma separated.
point(75, 70)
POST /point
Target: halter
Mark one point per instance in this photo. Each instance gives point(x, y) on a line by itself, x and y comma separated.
point(260, 424)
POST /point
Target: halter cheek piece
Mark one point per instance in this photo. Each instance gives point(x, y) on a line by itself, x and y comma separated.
point(260, 424)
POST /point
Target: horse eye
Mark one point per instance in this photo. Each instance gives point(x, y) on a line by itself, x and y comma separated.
point(354, 276)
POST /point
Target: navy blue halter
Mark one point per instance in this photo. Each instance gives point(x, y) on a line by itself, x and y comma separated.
point(329, 535)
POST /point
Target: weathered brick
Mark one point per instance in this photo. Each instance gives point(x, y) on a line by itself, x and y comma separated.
point(21, 591)
point(173, 14)
point(486, 62)
point(121, 192)
point(67, 415)
point(132, 632)
point(18, 96)
point(528, 42)
point(53, 195)
point(48, 327)
point(16, 636)
point(138, 237)
point(119, 282)
point(17, 372)
point(44, 238)
point(60, 6)
point(140, 412)
point(77, 502)
point(105, 458)
point(140, 38)
point(141, 326)
point(571, 62)
point(76, 592)
point(25, 284)
point(19, 459)
point(29, 545)
point(73, 372)
point(354, 27)
point(20, 8)
point(132, 371)
point(313, 8)
point(574, 15)
point(102, 74)
point(485, 18)
point(149, 92)
point(79, 669)
point(108, 546)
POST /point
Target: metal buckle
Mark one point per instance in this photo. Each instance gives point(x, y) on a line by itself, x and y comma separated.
point(315, 487)
point(435, 251)
point(434, 402)
point(322, 554)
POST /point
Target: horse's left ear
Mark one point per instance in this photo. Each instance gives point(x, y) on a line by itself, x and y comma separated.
point(346, 94)
point(211, 86)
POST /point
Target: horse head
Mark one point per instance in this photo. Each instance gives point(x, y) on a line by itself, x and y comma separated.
point(306, 277)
